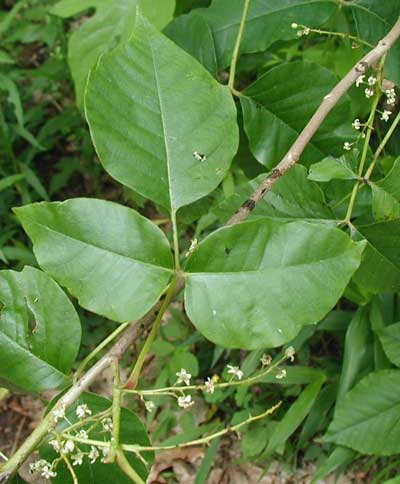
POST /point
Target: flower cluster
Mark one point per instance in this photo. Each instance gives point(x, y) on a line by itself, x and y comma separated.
point(42, 467)
point(390, 96)
point(371, 81)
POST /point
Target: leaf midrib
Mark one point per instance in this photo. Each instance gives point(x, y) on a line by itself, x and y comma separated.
point(269, 269)
point(130, 259)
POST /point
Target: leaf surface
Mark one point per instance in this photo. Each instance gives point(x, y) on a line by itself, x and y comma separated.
point(278, 105)
point(367, 419)
point(160, 123)
point(255, 284)
point(116, 262)
point(40, 331)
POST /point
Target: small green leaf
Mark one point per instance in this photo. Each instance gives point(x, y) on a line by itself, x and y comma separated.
point(294, 416)
point(331, 169)
point(358, 352)
point(5, 58)
point(132, 432)
point(11, 180)
point(341, 456)
point(112, 259)
point(256, 284)
point(160, 123)
point(278, 105)
point(39, 331)
point(390, 339)
point(367, 419)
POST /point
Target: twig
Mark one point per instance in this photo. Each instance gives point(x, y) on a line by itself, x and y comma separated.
point(329, 101)
point(236, 49)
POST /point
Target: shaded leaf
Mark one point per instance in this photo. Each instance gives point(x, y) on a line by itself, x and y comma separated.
point(390, 339)
point(380, 267)
point(330, 169)
point(278, 105)
point(132, 432)
point(39, 331)
point(367, 419)
point(386, 195)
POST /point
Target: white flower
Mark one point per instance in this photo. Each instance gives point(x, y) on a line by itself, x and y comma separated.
point(356, 124)
point(69, 446)
point(385, 115)
point(306, 31)
point(368, 92)
point(391, 96)
point(360, 80)
point(371, 80)
point(294, 25)
point(38, 465)
point(235, 371)
point(266, 359)
point(93, 454)
point(185, 401)
point(83, 434)
point(77, 459)
point(59, 413)
point(106, 452)
point(281, 374)
point(82, 411)
point(209, 384)
point(55, 444)
point(107, 424)
point(150, 406)
point(347, 146)
point(183, 377)
point(47, 473)
point(290, 352)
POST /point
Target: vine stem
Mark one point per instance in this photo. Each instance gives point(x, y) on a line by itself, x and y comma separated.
point(235, 55)
point(99, 348)
point(124, 465)
point(364, 153)
point(116, 412)
point(202, 441)
point(246, 381)
point(134, 377)
point(378, 151)
point(327, 104)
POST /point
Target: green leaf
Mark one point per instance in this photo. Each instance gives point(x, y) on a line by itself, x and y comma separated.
point(112, 259)
point(357, 351)
point(153, 111)
point(278, 105)
point(390, 339)
point(11, 180)
point(193, 34)
point(256, 284)
point(331, 169)
point(5, 58)
point(8, 85)
point(39, 331)
point(267, 22)
point(367, 419)
point(340, 457)
point(294, 416)
point(380, 267)
point(112, 24)
point(386, 195)
point(306, 202)
point(132, 432)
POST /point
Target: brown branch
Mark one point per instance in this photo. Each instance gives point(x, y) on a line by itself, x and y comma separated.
point(329, 101)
